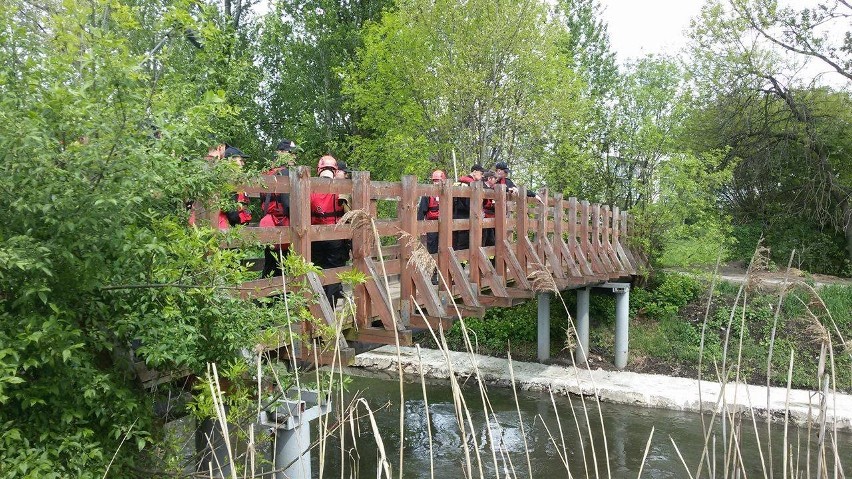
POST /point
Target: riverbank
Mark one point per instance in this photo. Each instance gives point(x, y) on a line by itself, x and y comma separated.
point(621, 387)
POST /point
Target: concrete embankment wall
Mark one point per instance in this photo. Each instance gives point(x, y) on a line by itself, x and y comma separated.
point(650, 390)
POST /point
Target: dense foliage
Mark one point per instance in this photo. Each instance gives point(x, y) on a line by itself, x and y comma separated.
point(107, 106)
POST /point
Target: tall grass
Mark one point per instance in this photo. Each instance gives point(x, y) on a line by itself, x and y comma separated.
point(349, 419)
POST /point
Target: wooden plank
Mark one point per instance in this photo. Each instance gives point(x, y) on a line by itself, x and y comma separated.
point(501, 233)
point(607, 242)
point(597, 245)
point(622, 248)
point(445, 219)
point(380, 301)
point(522, 228)
point(379, 336)
point(559, 229)
point(489, 275)
point(426, 294)
point(418, 321)
point(362, 246)
point(585, 241)
point(516, 271)
point(459, 279)
point(475, 230)
point(407, 213)
point(300, 212)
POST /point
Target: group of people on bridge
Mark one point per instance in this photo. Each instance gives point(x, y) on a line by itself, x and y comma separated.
point(328, 208)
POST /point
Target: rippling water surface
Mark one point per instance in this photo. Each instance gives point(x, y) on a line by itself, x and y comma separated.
point(553, 437)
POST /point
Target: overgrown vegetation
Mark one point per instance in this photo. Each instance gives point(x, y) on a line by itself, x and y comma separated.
point(667, 320)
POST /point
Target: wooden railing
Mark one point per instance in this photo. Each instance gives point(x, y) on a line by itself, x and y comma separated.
point(578, 244)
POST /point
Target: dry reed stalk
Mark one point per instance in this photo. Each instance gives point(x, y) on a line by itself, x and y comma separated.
point(701, 349)
point(383, 461)
point(558, 421)
point(219, 407)
point(564, 459)
point(428, 415)
point(361, 219)
point(579, 434)
point(645, 454)
point(422, 260)
point(457, 399)
point(680, 456)
point(119, 448)
point(518, 409)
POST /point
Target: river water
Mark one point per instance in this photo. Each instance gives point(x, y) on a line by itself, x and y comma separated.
point(625, 428)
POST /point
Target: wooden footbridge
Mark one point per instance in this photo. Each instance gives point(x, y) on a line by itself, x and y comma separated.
point(578, 244)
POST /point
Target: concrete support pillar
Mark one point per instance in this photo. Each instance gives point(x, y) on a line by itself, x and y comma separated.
point(581, 322)
point(543, 326)
point(622, 309)
point(289, 420)
point(293, 444)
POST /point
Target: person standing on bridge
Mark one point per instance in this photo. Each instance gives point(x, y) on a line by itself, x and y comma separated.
point(429, 209)
point(501, 169)
point(326, 209)
point(241, 214)
point(489, 179)
point(276, 208)
point(461, 207)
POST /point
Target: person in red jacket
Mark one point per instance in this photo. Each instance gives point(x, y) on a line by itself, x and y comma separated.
point(429, 209)
point(489, 179)
point(461, 207)
point(276, 208)
point(241, 215)
point(326, 209)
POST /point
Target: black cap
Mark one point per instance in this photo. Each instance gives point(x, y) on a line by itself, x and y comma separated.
point(488, 174)
point(287, 145)
point(234, 151)
point(501, 165)
point(477, 167)
point(342, 166)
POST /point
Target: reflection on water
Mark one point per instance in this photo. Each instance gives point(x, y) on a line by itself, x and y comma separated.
point(551, 439)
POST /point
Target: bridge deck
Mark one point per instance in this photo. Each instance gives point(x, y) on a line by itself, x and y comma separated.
point(556, 243)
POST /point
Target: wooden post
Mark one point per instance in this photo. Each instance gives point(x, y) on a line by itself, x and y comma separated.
point(475, 232)
point(500, 233)
point(445, 228)
point(300, 211)
point(362, 245)
point(559, 229)
point(406, 214)
point(522, 222)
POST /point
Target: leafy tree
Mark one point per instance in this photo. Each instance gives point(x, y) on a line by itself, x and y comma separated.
point(97, 136)
point(483, 79)
point(790, 135)
point(649, 109)
point(586, 48)
point(302, 46)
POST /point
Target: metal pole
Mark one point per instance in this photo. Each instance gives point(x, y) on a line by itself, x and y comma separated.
point(581, 354)
point(290, 421)
point(290, 445)
point(543, 326)
point(622, 309)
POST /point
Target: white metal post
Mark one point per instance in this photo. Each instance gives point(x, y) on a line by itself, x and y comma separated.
point(543, 326)
point(582, 324)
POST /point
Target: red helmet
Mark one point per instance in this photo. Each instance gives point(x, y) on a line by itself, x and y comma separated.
point(439, 175)
point(326, 161)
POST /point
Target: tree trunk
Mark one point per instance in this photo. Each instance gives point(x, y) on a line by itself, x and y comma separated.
point(847, 228)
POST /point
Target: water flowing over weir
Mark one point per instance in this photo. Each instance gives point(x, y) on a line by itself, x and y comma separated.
point(627, 429)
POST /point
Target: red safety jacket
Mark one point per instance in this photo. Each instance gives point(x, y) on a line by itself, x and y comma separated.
point(269, 221)
point(325, 209)
point(275, 204)
point(488, 208)
point(432, 212)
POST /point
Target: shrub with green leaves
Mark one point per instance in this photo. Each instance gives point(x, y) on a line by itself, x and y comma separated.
point(99, 148)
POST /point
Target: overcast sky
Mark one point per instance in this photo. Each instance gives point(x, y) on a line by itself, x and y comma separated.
point(639, 27)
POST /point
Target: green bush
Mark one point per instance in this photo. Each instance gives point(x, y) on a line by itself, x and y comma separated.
point(668, 293)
